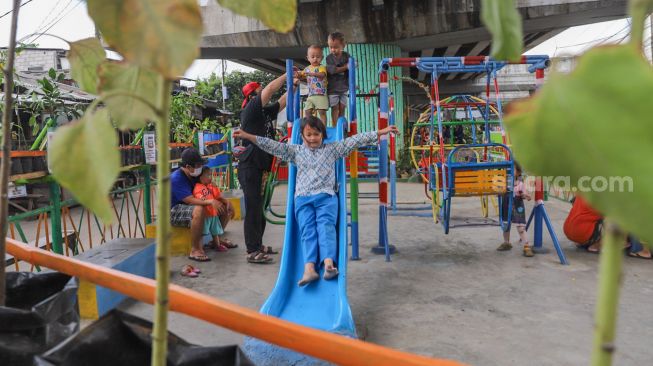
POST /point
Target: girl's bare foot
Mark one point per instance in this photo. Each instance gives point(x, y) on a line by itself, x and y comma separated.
point(309, 276)
point(330, 271)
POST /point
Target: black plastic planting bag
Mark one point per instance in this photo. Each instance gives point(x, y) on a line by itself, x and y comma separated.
point(122, 339)
point(41, 311)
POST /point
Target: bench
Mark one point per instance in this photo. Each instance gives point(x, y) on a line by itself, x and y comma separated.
point(135, 256)
point(480, 182)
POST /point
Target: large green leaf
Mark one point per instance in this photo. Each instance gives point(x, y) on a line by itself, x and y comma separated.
point(85, 56)
point(279, 15)
point(128, 81)
point(595, 122)
point(162, 35)
point(85, 160)
point(504, 22)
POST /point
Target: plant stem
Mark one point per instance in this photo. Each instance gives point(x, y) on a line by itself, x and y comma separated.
point(608, 297)
point(160, 330)
point(6, 147)
point(638, 10)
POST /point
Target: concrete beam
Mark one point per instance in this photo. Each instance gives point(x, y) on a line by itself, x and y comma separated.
point(412, 24)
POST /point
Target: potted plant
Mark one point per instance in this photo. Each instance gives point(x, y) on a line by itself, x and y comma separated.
point(41, 310)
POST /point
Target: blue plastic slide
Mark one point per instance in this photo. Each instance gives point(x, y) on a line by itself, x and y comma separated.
point(321, 304)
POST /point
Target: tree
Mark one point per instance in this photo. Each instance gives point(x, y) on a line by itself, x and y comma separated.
point(211, 88)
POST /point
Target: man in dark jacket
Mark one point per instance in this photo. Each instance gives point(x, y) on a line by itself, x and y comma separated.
point(258, 118)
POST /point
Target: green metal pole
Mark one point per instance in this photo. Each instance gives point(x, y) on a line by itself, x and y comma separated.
point(44, 132)
point(55, 217)
point(138, 137)
point(147, 199)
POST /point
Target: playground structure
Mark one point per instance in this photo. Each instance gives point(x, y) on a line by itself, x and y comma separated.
point(323, 304)
point(482, 169)
point(294, 305)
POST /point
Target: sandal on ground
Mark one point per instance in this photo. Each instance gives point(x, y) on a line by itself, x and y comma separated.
point(330, 274)
point(199, 257)
point(595, 249)
point(639, 255)
point(192, 268)
point(227, 243)
point(210, 245)
point(528, 251)
point(268, 250)
point(187, 271)
point(259, 258)
point(222, 248)
point(504, 246)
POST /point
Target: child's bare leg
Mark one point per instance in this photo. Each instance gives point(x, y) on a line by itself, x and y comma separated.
point(334, 115)
point(216, 244)
point(322, 114)
point(308, 113)
point(528, 251)
point(341, 109)
point(310, 274)
point(330, 270)
point(506, 242)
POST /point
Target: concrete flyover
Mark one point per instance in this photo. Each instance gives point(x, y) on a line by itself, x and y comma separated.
point(394, 28)
point(419, 27)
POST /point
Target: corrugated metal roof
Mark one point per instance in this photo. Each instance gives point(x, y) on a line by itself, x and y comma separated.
point(68, 93)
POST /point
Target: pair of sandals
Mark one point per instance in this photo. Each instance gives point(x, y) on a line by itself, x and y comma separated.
point(225, 245)
point(223, 242)
point(199, 257)
point(262, 256)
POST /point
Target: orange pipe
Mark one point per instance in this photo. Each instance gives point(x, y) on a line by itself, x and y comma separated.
point(24, 154)
point(324, 345)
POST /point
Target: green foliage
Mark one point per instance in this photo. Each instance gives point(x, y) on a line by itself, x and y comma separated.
point(76, 150)
point(85, 56)
point(592, 123)
point(277, 14)
point(130, 93)
point(158, 39)
point(51, 102)
point(182, 121)
point(211, 88)
point(504, 22)
point(162, 35)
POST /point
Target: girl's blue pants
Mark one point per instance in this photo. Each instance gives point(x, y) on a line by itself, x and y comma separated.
point(316, 216)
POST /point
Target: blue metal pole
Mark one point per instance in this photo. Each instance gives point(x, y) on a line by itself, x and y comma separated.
point(298, 104)
point(554, 237)
point(289, 94)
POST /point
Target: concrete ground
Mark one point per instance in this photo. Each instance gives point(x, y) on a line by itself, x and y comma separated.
point(448, 296)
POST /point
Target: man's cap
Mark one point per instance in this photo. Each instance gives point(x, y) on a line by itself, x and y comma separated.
point(248, 89)
point(190, 156)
